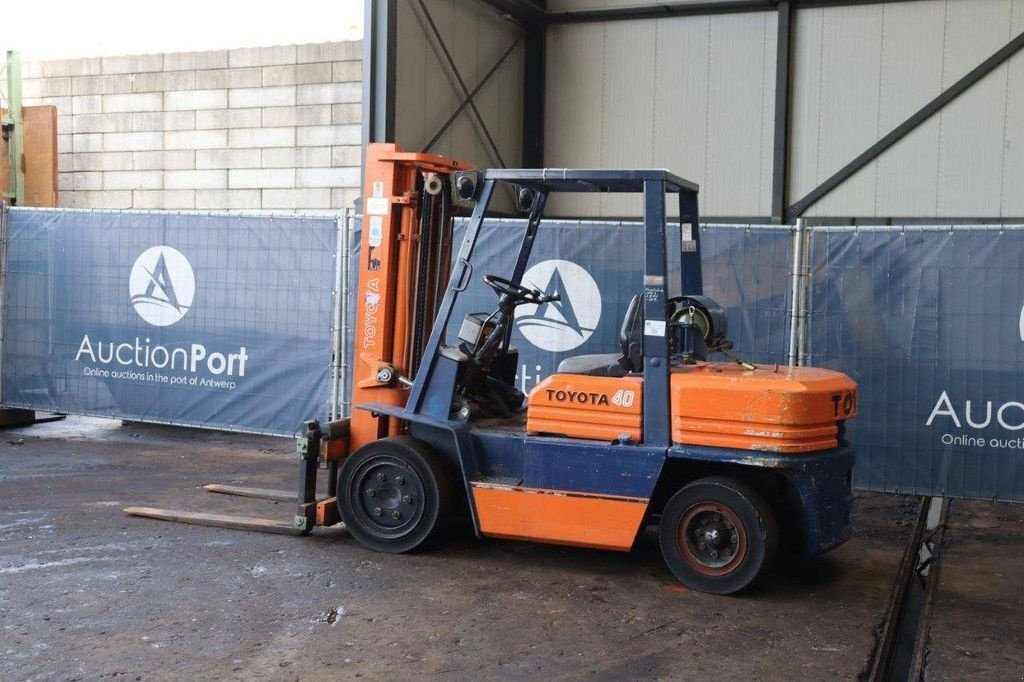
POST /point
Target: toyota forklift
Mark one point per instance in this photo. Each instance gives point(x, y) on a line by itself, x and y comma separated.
point(730, 460)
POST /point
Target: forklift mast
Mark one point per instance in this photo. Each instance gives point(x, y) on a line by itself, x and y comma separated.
point(403, 269)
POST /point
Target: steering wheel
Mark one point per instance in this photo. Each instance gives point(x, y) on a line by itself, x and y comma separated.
point(518, 292)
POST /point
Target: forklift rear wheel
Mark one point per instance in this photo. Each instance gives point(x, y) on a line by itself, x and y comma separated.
point(717, 534)
point(392, 494)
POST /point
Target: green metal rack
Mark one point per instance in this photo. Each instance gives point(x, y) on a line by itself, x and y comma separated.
point(12, 123)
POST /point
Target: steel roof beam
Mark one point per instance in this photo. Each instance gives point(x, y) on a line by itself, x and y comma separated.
point(683, 9)
point(522, 12)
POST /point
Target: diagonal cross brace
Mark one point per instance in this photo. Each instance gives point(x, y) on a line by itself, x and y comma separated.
point(458, 110)
point(462, 83)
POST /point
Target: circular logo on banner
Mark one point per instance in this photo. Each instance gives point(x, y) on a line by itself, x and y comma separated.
point(567, 323)
point(162, 285)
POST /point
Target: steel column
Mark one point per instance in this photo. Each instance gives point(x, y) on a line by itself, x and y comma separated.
point(534, 68)
point(379, 45)
point(339, 328)
point(780, 166)
point(656, 357)
point(798, 296)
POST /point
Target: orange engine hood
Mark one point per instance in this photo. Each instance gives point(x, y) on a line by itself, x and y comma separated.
point(770, 408)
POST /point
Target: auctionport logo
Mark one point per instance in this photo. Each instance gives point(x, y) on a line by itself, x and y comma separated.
point(162, 285)
point(959, 418)
point(567, 323)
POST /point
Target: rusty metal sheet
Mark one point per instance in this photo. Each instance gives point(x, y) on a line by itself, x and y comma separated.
point(40, 158)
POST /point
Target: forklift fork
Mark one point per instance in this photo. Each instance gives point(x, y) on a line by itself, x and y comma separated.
point(311, 511)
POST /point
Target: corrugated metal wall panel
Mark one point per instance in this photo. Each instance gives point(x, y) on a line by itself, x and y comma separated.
point(627, 109)
point(740, 115)
point(412, 96)
point(573, 105)
point(696, 94)
point(427, 92)
point(681, 114)
point(971, 142)
point(693, 94)
point(1013, 129)
point(860, 71)
point(836, 88)
point(906, 177)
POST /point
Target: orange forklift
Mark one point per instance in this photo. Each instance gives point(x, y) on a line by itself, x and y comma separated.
point(730, 460)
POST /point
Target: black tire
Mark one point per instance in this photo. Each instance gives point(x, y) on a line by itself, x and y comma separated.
point(717, 535)
point(393, 494)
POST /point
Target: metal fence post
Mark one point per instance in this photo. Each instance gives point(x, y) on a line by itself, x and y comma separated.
point(3, 288)
point(804, 311)
point(794, 293)
point(341, 225)
point(346, 330)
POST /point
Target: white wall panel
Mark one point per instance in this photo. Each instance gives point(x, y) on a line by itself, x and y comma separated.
point(859, 71)
point(971, 142)
point(681, 111)
point(845, 71)
point(574, 105)
point(906, 176)
point(692, 94)
point(696, 95)
point(627, 113)
point(741, 77)
point(1013, 129)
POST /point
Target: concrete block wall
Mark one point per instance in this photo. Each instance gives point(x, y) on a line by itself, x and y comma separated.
point(267, 128)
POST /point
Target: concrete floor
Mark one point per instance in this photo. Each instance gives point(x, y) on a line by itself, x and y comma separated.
point(977, 625)
point(87, 592)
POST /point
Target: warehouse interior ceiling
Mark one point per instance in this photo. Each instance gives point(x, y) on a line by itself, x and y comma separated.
point(833, 110)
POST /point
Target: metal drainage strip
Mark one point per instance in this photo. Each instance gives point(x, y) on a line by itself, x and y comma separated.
point(902, 645)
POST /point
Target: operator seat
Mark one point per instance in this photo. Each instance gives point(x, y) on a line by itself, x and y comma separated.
point(631, 342)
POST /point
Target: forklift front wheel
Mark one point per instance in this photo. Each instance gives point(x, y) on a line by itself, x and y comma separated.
point(717, 534)
point(392, 494)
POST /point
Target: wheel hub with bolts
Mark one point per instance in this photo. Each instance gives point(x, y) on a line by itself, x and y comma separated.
point(711, 538)
point(391, 494)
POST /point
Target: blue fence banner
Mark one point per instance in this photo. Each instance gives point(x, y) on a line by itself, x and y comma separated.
point(226, 322)
point(930, 323)
point(220, 321)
